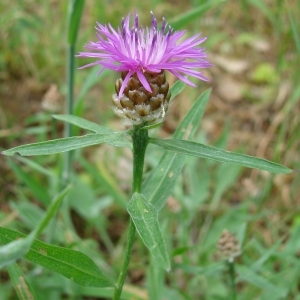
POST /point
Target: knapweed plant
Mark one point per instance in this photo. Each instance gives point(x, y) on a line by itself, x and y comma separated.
point(141, 56)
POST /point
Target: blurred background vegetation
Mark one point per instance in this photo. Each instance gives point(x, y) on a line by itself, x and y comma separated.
point(254, 108)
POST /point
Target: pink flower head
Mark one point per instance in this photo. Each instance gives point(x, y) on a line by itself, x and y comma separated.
point(139, 50)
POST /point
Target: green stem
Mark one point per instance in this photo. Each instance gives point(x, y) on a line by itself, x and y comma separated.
point(126, 260)
point(69, 110)
point(139, 143)
point(232, 279)
point(67, 158)
point(74, 16)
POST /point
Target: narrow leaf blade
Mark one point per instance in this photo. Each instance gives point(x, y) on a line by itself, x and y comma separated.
point(91, 126)
point(177, 88)
point(145, 218)
point(23, 289)
point(16, 249)
point(106, 180)
point(51, 210)
point(187, 17)
point(70, 263)
point(65, 144)
point(217, 154)
point(76, 9)
point(255, 279)
point(35, 186)
point(159, 184)
point(82, 123)
point(9, 253)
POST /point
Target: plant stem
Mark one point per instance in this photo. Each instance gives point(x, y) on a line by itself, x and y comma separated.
point(67, 158)
point(232, 279)
point(139, 143)
point(74, 16)
point(126, 260)
point(69, 110)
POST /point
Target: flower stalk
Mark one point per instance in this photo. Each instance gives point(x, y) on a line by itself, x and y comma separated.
point(232, 279)
point(139, 143)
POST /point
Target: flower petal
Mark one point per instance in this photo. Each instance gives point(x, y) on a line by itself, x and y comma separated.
point(138, 50)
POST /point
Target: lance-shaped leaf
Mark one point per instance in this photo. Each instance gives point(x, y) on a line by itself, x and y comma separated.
point(160, 183)
point(91, 126)
point(18, 247)
point(204, 151)
point(75, 12)
point(183, 19)
point(145, 218)
point(82, 123)
point(65, 144)
point(23, 289)
point(70, 263)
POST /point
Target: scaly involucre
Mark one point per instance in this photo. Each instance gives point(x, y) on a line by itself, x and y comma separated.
point(139, 50)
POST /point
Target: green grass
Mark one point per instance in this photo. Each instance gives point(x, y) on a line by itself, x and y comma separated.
point(259, 208)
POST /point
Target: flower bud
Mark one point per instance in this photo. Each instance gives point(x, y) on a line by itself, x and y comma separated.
point(228, 246)
point(136, 105)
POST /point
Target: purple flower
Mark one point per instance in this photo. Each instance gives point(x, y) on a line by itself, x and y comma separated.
point(139, 50)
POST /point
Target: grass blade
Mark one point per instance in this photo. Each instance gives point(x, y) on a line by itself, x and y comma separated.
point(23, 289)
point(185, 18)
point(76, 8)
point(294, 29)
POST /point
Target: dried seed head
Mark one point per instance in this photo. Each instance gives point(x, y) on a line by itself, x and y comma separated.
point(228, 246)
point(137, 105)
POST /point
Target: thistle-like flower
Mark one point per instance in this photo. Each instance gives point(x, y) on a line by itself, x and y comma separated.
point(142, 55)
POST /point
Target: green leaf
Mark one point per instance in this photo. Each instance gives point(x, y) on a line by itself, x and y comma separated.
point(129, 292)
point(177, 88)
point(36, 187)
point(16, 249)
point(265, 9)
point(145, 219)
point(88, 83)
point(65, 144)
point(37, 167)
point(160, 183)
point(254, 278)
point(204, 151)
point(23, 289)
point(82, 123)
point(155, 281)
point(70, 263)
point(106, 180)
point(88, 125)
point(75, 12)
point(294, 28)
point(183, 19)
point(51, 211)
